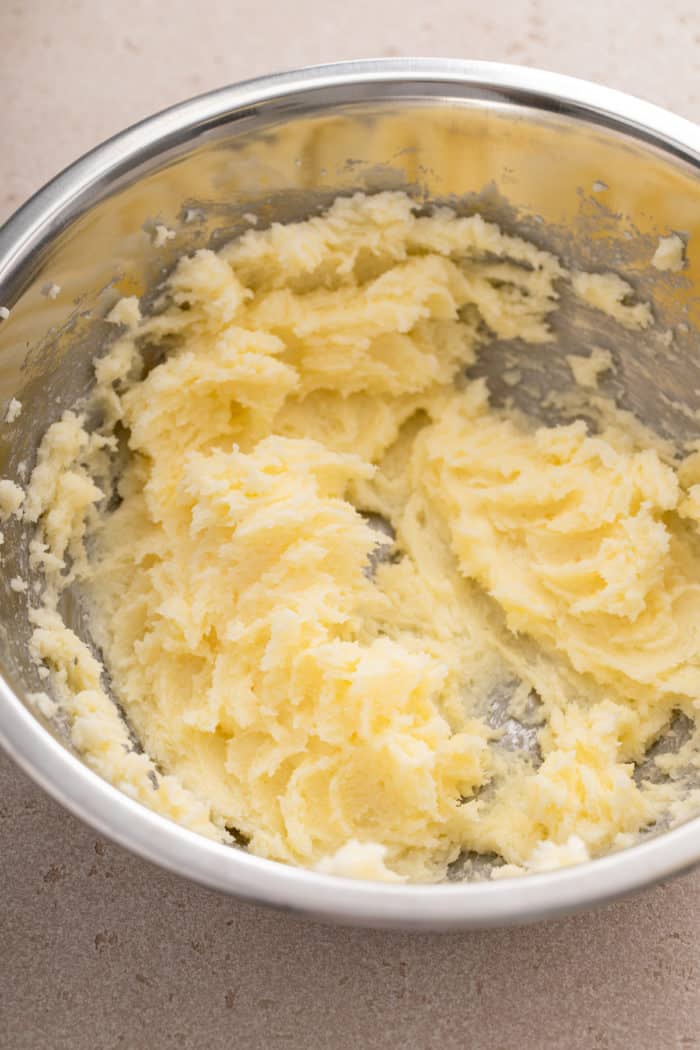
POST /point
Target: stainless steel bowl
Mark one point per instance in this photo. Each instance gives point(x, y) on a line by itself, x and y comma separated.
point(591, 173)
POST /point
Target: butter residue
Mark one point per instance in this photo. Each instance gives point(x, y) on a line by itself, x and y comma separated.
point(359, 860)
point(43, 703)
point(587, 370)
point(11, 498)
point(669, 254)
point(610, 294)
point(126, 311)
point(547, 856)
point(13, 411)
point(162, 234)
point(287, 684)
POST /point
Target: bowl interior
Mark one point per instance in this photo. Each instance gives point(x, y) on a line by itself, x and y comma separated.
point(596, 196)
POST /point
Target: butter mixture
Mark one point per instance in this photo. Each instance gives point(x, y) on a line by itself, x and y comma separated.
point(315, 557)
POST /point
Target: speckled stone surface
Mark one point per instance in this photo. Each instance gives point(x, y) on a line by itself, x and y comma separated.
point(99, 950)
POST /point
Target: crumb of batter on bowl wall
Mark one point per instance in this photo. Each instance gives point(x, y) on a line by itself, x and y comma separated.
point(161, 235)
point(51, 291)
point(359, 860)
point(14, 410)
point(298, 678)
point(669, 254)
point(512, 377)
point(547, 856)
point(127, 312)
point(608, 293)
point(11, 498)
point(43, 702)
point(587, 370)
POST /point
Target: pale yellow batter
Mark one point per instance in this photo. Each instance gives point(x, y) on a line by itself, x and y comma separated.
point(299, 679)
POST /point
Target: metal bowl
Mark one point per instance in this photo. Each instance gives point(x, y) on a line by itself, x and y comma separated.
point(589, 173)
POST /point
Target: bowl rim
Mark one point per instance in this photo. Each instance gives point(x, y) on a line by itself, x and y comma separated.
point(445, 906)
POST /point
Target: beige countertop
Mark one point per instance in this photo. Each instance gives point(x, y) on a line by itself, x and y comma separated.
point(101, 950)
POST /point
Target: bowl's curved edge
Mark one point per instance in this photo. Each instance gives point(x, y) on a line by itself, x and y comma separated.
point(223, 868)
